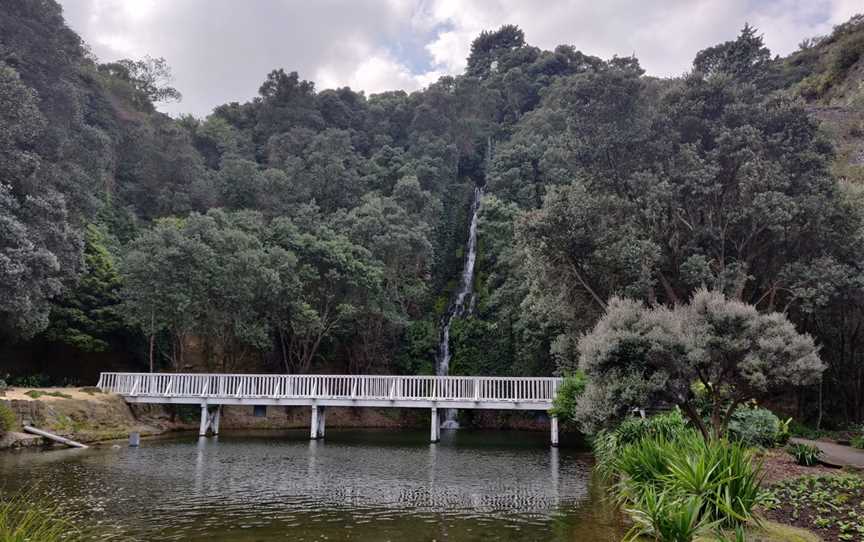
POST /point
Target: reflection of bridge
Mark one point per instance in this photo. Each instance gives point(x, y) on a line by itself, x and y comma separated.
point(320, 391)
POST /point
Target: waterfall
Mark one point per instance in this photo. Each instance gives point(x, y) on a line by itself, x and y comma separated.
point(457, 308)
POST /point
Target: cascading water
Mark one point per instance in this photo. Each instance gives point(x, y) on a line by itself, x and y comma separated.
point(457, 308)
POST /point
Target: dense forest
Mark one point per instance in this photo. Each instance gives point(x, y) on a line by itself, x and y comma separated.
point(317, 230)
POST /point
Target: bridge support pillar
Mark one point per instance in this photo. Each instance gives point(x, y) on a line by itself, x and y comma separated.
point(435, 428)
point(553, 422)
point(209, 421)
point(318, 422)
point(205, 420)
point(214, 423)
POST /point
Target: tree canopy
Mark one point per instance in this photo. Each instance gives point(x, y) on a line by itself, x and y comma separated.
point(324, 230)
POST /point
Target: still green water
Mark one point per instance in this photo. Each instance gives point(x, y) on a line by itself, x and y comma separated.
point(356, 485)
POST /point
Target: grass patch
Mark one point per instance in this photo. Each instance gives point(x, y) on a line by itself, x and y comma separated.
point(36, 394)
point(91, 390)
point(830, 505)
point(8, 421)
point(22, 521)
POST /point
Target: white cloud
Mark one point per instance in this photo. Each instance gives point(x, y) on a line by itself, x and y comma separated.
point(221, 50)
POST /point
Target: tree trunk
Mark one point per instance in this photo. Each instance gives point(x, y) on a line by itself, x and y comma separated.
point(697, 420)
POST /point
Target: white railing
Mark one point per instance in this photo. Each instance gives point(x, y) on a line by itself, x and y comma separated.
point(420, 388)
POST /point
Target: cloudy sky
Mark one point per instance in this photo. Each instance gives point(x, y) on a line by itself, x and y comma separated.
point(221, 50)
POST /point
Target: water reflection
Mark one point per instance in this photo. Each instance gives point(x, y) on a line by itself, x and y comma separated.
point(353, 486)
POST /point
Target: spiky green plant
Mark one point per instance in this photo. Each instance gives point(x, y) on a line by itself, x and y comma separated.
point(23, 521)
point(804, 454)
point(666, 517)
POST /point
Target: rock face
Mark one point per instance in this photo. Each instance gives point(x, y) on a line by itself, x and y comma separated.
point(71, 413)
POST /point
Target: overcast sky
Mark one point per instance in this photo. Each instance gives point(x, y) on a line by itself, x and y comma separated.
point(221, 50)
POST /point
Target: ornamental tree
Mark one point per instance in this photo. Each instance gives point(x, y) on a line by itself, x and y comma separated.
point(638, 356)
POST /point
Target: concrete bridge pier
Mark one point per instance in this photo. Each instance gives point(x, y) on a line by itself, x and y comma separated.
point(214, 424)
point(553, 422)
point(208, 420)
point(435, 428)
point(318, 422)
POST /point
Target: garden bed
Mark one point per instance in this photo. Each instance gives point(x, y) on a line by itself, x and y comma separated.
point(778, 466)
point(831, 505)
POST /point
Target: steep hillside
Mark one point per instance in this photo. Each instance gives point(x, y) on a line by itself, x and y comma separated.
point(828, 72)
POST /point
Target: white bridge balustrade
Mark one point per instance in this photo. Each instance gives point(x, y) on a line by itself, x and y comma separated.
point(320, 391)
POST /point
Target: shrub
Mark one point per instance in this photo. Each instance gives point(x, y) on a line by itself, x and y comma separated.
point(564, 405)
point(857, 442)
point(32, 381)
point(8, 421)
point(804, 454)
point(755, 427)
point(785, 432)
point(607, 444)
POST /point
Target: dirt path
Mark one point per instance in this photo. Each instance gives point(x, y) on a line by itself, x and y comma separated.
point(836, 454)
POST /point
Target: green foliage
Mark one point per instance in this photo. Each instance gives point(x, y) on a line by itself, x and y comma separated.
point(755, 427)
point(609, 443)
point(743, 59)
point(830, 60)
point(87, 315)
point(23, 518)
point(829, 505)
point(419, 346)
point(31, 381)
point(148, 76)
point(564, 404)
point(8, 421)
point(638, 356)
point(679, 486)
point(661, 517)
point(804, 454)
point(857, 441)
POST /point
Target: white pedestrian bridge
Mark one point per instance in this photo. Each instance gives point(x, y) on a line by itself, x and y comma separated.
point(321, 391)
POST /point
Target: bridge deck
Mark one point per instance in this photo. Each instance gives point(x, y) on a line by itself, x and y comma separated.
point(318, 391)
point(335, 390)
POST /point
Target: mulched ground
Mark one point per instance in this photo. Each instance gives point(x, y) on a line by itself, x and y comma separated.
point(779, 465)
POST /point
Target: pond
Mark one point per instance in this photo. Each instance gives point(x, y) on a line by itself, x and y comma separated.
point(359, 485)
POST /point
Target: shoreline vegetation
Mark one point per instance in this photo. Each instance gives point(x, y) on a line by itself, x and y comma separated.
point(675, 486)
